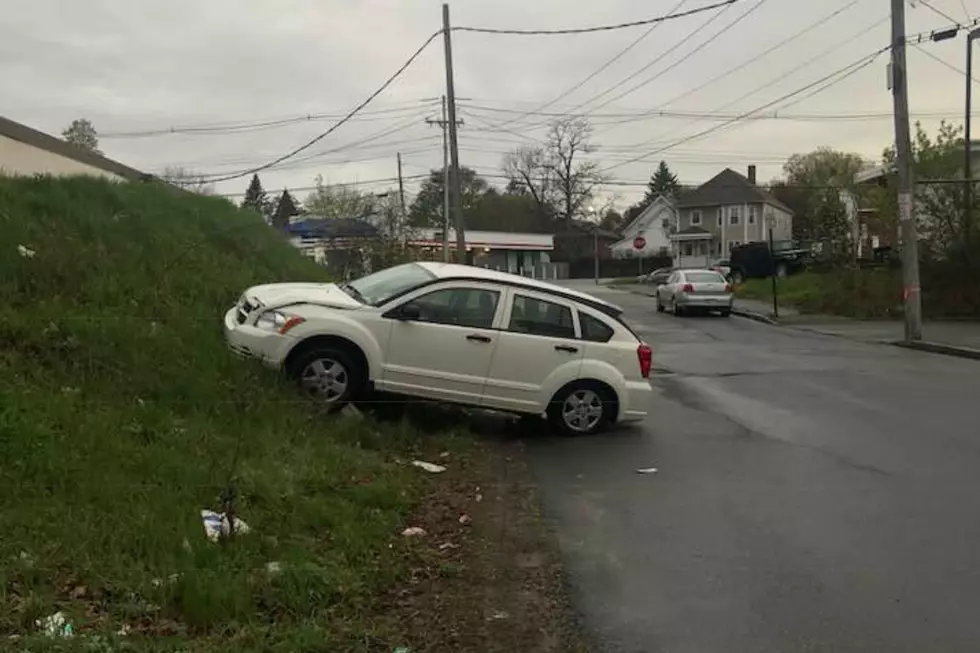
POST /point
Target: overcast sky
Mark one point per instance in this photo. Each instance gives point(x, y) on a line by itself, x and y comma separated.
point(147, 65)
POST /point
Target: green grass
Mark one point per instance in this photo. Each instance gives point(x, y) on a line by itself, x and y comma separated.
point(122, 415)
point(852, 293)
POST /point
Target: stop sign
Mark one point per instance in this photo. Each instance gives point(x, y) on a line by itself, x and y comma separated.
point(639, 242)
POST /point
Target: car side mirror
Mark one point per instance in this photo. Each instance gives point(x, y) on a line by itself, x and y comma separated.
point(409, 312)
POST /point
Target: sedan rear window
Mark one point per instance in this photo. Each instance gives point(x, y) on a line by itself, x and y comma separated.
point(703, 277)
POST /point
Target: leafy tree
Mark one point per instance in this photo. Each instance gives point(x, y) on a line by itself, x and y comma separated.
point(662, 182)
point(612, 220)
point(555, 175)
point(256, 198)
point(285, 209)
point(427, 208)
point(81, 133)
point(496, 211)
point(340, 201)
point(810, 174)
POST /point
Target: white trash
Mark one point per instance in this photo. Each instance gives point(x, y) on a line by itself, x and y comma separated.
point(216, 525)
point(26, 252)
point(55, 626)
point(413, 531)
point(432, 468)
point(647, 470)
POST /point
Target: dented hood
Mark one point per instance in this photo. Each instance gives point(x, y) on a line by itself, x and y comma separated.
point(273, 295)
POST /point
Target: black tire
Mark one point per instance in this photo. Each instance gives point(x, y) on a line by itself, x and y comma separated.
point(678, 311)
point(660, 307)
point(588, 391)
point(726, 312)
point(340, 378)
point(736, 277)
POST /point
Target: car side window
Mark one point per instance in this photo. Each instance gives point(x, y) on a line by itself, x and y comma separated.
point(541, 318)
point(464, 307)
point(594, 330)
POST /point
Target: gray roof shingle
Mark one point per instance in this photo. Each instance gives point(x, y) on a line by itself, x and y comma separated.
point(727, 187)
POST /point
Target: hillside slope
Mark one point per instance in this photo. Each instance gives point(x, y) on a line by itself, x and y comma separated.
point(123, 415)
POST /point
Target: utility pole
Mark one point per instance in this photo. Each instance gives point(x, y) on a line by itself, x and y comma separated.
point(401, 187)
point(903, 160)
point(967, 137)
point(457, 193)
point(444, 123)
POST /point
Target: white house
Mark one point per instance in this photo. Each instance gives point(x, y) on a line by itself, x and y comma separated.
point(654, 224)
point(25, 151)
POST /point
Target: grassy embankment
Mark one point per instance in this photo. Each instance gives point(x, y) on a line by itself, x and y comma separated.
point(123, 415)
point(860, 294)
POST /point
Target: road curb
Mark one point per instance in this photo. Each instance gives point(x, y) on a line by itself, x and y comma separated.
point(937, 348)
point(752, 315)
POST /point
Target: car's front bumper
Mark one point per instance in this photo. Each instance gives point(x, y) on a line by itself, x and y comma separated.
point(249, 341)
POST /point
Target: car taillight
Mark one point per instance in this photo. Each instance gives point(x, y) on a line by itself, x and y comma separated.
point(645, 355)
point(687, 288)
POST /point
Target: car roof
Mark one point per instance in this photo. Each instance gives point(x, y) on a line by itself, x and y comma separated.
point(457, 271)
point(708, 270)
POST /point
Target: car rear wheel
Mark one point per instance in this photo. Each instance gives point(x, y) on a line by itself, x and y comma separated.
point(582, 408)
point(329, 376)
point(676, 310)
point(736, 277)
point(726, 312)
point(660, 307)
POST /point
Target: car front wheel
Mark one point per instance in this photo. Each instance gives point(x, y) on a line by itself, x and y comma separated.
point(582, 408)
point(328, 375)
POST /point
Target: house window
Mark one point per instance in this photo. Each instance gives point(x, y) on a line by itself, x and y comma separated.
point(733, 244)
point(752, 213)
point(719, 217)
point(733, 215)
point(695, 217)
point(688, 249)
point(666, 224)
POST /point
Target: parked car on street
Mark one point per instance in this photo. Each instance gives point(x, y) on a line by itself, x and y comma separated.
point(753, 260)
point(452, 333)
point(695, 290)
point(723, 267)
point(659, 276)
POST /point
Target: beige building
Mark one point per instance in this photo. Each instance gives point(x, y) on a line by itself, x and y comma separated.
point(26, 151)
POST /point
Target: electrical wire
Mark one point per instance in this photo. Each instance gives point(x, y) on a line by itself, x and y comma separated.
point(338, 124)
point(940, 12)
point(942, 61)
point(844, 73)
point(595, 72)
point(600, 28)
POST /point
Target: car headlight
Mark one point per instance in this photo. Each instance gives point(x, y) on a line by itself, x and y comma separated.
point(278, 321)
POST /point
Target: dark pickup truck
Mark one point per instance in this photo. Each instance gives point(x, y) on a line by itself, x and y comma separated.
point(753, 261)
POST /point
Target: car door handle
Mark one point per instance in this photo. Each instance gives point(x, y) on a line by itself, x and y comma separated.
point(568, 348)
point(477, 338)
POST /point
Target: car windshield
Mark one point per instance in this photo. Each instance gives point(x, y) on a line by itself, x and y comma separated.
point(703, 277)
point(377, 288)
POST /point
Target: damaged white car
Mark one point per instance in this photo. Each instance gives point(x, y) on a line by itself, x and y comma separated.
point(451, 333)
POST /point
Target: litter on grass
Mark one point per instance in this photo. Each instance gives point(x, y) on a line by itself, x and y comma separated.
point(26, 252)
point(55, 626)
point(350, 410)
point(647, 470)
point(448, 545)
point(216, 525)
point(432, 468)
point(413, 531)
point(273, 568)
point(464, 519)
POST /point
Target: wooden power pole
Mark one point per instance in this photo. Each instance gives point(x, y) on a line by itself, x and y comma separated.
point(906, 188)
point(456, 186)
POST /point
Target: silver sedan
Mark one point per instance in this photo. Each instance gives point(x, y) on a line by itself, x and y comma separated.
point(695, 290)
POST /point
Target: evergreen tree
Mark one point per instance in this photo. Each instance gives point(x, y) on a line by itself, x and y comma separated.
point(256, 198)
point(662, 182)
point(285, 209)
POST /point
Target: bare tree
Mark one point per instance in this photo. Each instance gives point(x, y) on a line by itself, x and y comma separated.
point(339, 201)
point(188, 180)
point(556, 175)
point(81, 133)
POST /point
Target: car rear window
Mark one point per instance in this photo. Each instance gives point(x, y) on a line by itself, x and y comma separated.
point(703, 277)
point(594, 330)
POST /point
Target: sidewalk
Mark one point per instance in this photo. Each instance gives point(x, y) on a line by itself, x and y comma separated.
point(948, 337)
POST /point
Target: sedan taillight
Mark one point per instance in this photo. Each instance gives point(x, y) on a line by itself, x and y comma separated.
point(687, 288)
point(644, 353)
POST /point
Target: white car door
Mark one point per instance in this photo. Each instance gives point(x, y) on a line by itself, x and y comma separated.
point(538, 338)
point(445, 352)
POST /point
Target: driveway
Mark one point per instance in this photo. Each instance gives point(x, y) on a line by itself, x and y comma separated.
point(813, 494)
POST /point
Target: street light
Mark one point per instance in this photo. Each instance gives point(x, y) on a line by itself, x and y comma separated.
point(967, 163)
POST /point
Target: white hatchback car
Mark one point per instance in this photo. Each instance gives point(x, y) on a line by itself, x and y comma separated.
point(451, 333)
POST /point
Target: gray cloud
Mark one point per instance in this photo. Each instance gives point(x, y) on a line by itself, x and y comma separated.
point(148, 64)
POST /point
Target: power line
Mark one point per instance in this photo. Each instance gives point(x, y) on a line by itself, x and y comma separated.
point(942, 61)
point(766, 52)
point(600, 28)
point(857, 65)
point(940, 12)
point(343, 120)
point(257, 125)
point(687, 56)
point(598, 70)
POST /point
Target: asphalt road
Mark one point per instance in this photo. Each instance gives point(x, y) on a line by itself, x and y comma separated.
point(813, 494)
